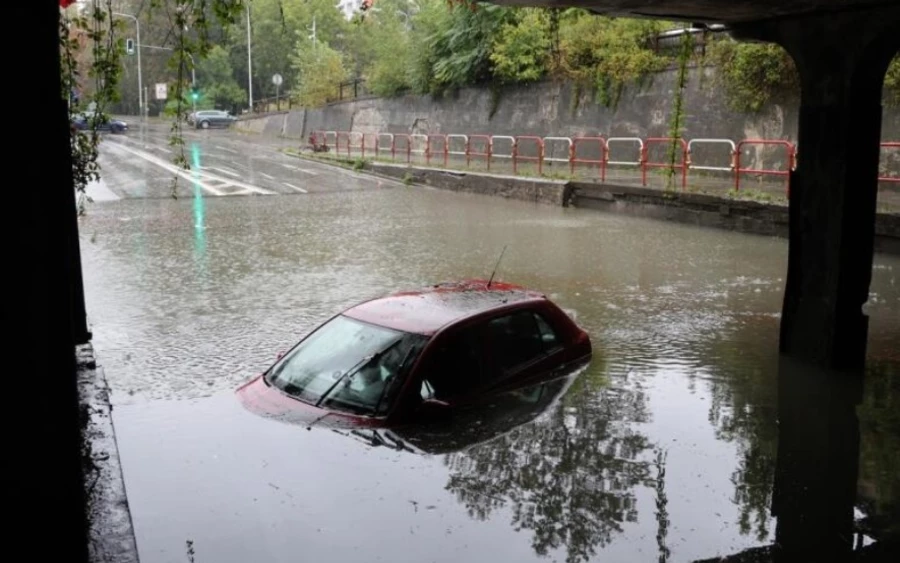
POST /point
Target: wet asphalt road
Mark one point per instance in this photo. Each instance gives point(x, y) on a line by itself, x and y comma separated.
point(189, 297)
point(140, 164)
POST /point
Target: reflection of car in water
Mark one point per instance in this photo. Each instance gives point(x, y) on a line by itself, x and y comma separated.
point(474, 423)
point(85, 120)
point(421, 356)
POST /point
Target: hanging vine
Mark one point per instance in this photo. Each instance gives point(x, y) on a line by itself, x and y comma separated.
point(91, 33)
point(676, 123)
point(75, 31)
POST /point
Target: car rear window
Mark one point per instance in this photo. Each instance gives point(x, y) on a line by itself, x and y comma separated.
point(515, 339)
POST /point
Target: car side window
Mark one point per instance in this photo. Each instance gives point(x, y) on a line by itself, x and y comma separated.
point(548, 336)
point(455, 367)
point(515, 340)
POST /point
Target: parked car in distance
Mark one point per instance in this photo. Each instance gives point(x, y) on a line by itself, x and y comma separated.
point(84, 120)
point(417, 355)
point(205, 119)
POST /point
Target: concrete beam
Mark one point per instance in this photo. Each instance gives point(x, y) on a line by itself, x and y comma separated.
point(707, 10)
point(842, 61)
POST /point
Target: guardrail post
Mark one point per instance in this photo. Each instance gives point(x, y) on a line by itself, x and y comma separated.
point(515, 154)
point(643, 164)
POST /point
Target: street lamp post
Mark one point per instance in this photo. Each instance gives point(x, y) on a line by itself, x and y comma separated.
point(249, 60)
point(137, 25)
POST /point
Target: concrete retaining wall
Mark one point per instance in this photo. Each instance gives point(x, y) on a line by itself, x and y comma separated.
point(709, 211)
point(537, 190)
point(559, 109)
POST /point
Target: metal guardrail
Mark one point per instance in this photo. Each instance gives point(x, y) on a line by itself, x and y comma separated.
point(490, 147)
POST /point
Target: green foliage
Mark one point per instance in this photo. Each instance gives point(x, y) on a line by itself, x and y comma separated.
point(319, 70)
point(752, 74)
point(431, 19)
point(385, 37)
point(676, 124)
point(521, 51)
point(216, 80)
point(607, 53)
point(892, 83)
point(462, 50)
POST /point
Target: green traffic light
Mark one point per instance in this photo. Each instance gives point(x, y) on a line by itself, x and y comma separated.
point(195, 95)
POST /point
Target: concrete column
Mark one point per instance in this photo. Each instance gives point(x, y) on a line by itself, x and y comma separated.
point(818, 460)
point(842, 59)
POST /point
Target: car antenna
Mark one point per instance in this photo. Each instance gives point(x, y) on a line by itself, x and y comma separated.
point(502, 252)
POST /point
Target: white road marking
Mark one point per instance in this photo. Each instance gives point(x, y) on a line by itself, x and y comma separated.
point(290, 166)
point(204, 180)
point(307, 171)
point(293, 187)
point(226, 149)
point(226, 171)
point(264, 175)
point(97, 190)
point(164, 149)
point(169, 167)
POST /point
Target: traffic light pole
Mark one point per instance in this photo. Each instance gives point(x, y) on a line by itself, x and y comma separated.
point(137, 25)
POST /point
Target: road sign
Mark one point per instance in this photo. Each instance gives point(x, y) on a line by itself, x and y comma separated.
point(277, 79)
point(162, 91)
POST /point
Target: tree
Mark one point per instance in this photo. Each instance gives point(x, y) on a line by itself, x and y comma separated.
point(752, 74)
point(462, 50)
point(607, 53)
point(216, 81)
point(319, 70)
point(384, 36)
point(521, 51)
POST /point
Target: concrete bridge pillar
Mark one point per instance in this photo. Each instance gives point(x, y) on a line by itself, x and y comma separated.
point(842, 59)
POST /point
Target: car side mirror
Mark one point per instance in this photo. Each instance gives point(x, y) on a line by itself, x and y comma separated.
point(280, 355)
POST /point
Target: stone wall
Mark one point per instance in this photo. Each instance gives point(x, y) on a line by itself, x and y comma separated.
point(558, 109)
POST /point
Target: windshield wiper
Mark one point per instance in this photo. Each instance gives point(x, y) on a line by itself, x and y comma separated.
point(393, 378)
point(354, 370)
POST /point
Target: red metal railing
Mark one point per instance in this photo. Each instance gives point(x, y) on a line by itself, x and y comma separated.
point(380, 147)
point(485, 153)
point(549, 153)
point(894, 179)
point(407, 147)
point(337, 142)
point(790, 153)
point(503, 139)
point(486, 147)
point(672, 142)
point(539, 158)
point(429, 144)
point(602, 157)
point(635, 142)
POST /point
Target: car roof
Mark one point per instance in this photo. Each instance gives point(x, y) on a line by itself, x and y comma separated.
point(427, 310)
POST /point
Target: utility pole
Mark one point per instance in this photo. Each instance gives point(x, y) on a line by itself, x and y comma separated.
point(249, 60)
point(137, 25)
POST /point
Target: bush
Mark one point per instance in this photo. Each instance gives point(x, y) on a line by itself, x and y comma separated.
point(521, 51)
point(752, 74)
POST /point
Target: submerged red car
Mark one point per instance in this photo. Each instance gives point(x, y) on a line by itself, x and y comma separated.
point(417, 354)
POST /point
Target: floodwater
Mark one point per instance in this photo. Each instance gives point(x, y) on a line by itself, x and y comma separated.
point(663, 449)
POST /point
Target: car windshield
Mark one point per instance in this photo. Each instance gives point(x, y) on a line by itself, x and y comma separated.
point(348, 365)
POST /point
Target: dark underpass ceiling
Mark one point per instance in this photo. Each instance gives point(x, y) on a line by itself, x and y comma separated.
point(708, 11)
